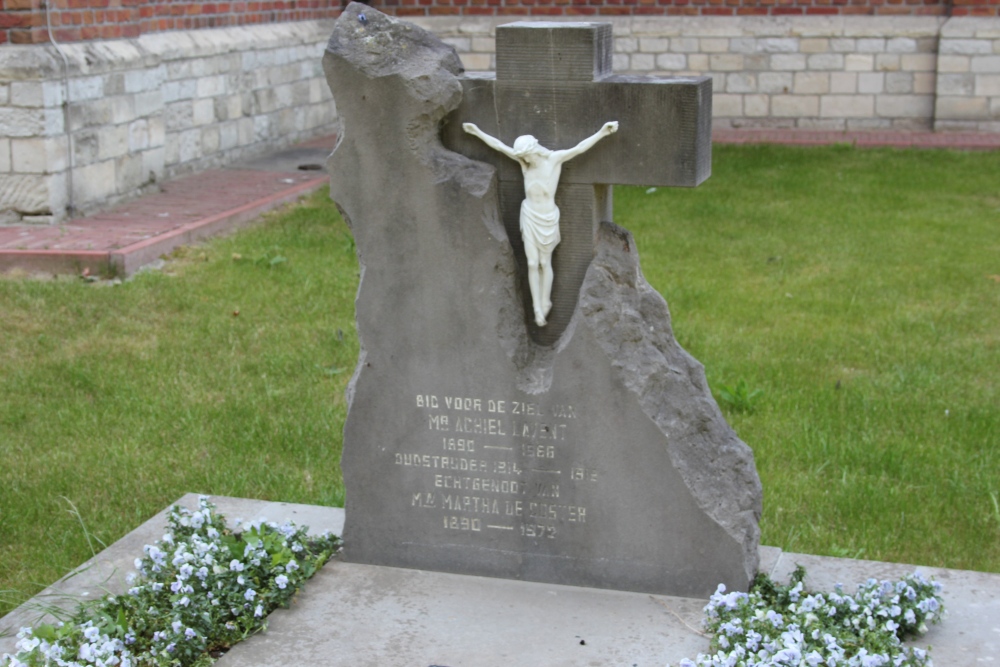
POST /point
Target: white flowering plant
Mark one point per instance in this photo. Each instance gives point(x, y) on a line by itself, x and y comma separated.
point(785, 626)
point(196, 592)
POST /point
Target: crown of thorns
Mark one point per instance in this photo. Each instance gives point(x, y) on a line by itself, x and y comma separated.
point(524, 145)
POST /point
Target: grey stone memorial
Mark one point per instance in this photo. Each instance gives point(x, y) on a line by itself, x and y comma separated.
point(588, 452)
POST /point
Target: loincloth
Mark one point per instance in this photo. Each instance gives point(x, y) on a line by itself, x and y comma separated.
point(540, 229)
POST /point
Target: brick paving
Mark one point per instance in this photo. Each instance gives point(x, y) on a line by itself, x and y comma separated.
point(134, 233)
point(188, 209)
point(181, 202)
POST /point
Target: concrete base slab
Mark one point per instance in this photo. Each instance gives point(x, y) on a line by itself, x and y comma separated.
point(372, 615)
point(390, 617)
point(367, 615)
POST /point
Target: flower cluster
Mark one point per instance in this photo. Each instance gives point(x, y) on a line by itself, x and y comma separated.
point(787, 626)
point(198, 590)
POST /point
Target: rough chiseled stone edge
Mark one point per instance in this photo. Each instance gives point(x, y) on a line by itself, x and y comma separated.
point(436, 70)
point(637, 336)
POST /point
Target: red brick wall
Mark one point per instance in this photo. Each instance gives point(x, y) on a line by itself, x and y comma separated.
point(975, 8)
point(23, 21)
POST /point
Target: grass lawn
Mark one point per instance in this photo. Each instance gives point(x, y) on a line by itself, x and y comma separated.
point(859, 291)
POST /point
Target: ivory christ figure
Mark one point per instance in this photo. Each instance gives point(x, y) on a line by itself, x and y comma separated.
point(539, 214)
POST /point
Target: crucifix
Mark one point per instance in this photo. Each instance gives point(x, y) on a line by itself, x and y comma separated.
point(539, 213)
point(554, 82)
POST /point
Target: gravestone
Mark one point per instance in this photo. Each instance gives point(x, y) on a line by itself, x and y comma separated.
point(592, 456)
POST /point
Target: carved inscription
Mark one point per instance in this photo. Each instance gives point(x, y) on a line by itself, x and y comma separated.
point(497, 464)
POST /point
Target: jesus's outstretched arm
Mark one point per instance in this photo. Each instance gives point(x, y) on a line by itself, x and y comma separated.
point(492, 142)
point(588, 143)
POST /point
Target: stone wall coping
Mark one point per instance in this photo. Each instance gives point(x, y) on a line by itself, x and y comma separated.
point(723, 26)
point(202, 43)
point(42, 61)
point(792, 26)
point(29, 62)
point(974, 27)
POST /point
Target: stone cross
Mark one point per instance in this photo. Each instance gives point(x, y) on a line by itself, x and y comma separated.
point(555, 82)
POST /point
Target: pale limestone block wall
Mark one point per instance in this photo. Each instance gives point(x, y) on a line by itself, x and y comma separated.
point(831, 73)
point(33, 152)
point(144, 110)
point(968, 89)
